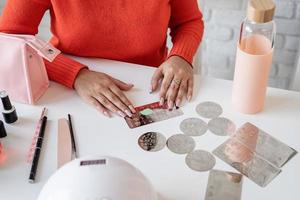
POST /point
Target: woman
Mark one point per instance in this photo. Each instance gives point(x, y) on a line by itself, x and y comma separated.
point(127, 30)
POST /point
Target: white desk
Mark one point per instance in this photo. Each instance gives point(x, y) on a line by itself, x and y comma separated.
point(168, 172)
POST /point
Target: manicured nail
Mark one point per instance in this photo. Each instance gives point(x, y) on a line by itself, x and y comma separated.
point(177, 107)
point(150, 90)
point(121, 114)
point(170, 104)
point(106, 114)
point(132, 109)
point(178, 103)
point(162, 101)
point(129, 114)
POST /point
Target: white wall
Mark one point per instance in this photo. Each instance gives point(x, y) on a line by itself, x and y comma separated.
point(296, 82)
point(223, 19)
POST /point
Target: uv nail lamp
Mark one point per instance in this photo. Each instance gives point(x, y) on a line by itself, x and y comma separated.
point(98, 178)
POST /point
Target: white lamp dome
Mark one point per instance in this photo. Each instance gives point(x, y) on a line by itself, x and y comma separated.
point(98, 178)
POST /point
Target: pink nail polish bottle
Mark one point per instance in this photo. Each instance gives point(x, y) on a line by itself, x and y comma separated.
point(254, 57)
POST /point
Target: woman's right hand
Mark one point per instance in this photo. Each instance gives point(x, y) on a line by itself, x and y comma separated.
point(104, 93)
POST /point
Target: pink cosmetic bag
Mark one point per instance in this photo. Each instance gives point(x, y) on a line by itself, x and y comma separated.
point(22, 70)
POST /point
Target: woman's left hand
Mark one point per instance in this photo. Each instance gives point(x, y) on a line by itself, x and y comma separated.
point(176, 76)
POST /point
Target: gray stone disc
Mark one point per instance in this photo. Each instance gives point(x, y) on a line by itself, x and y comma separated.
point(221, 126)
point(152, 141)
point(193, 127)
point(209, 109)
point(200, 160)
point(181, 144)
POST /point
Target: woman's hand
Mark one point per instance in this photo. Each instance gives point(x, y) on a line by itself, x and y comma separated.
point(104, 93)
point(176, 75)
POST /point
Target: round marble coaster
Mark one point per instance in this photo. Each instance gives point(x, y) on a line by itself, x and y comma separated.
point(152, 141)
point(221, 126)
point(200, 160)
point(209, 109)
point(181, 144)
point(193, 127)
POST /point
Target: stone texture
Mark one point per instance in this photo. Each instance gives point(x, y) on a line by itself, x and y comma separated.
point(288, 27)
point(292, 43)
point(224, 4)
point(298, 11)
point(279, 41)
point(218, 32)
point(285, 9)
point(232, 18)
point(284, 57)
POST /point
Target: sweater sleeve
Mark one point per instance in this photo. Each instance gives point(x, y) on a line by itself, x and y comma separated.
point(24, 17)
point(187, 28)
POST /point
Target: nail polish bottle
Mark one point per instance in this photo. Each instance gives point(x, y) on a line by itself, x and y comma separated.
point(2, 135)
point(9, 112)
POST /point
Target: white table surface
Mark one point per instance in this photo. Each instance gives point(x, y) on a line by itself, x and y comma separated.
point(168, 172)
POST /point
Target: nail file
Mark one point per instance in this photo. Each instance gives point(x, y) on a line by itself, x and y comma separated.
point(151, 113)
point(64, 143)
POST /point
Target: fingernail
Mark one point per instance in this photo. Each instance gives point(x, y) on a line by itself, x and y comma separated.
point(178, 102)
point(189, 98)
point(150, 90)
point(177, 107)
point(106, 114)
point(170, 104)
point(162, 101)
point(121, 114)
point(129, 114)
point(132, 109)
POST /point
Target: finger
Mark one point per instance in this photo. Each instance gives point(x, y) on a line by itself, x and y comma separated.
point(109, 105)
point(190, 89)
point(123, 98)
point(173, 91)
point(122, 85)
point(181, 92)
point(92, 101)
point(164, 87)
point(114, 99)
point(157, 76)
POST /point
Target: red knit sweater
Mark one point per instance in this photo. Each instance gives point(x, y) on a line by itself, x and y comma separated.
point(126, 30)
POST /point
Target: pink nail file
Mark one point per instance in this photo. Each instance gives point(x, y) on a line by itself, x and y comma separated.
point(64, 144)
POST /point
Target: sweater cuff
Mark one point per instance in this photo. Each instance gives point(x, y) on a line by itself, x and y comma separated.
point(185, 47)
point(63, 70)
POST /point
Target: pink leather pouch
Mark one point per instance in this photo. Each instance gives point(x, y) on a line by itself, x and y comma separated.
point(22, 70)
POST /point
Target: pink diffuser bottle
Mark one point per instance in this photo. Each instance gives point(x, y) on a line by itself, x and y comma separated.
point(254, 57)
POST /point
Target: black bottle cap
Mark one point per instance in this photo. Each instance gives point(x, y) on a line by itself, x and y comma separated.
point(9, 112)
point(5, 100)
point(2, 130)
point(10, 116)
